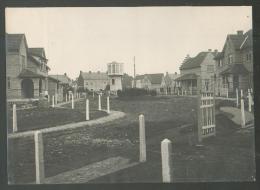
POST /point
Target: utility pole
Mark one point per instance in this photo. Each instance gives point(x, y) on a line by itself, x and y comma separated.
point(134, 74)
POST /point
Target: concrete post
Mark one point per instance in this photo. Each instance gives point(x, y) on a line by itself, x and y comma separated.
point(56, 99)
point(243, 119)
point(93, 94)
point(241, 93)
point(108, 105)
point(166, 151)
point(142, 138)
point(72, 101)
point(53, 102)
point(87, 110)
point(39, 157)
point(14, 119)
point(99, 102)
point(66, 97)
point(237, 97)
point(227, 92)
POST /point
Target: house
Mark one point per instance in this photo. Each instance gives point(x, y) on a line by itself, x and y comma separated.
point(234, 65)
point(201, 66)
point(60, 85)
point(171, 84)
point(93, 81)
point(26, 69)
point(127, 81)
point(150, 82)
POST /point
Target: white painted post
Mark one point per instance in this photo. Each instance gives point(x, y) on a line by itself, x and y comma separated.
point(87, 110)
point(241, 93)
point(72, 101)
point(66, 97)
point(39, 157)
point(56, 98)
point(227, 92)
point(108, 105)
point(243, 119)
point(249, 102)
point(14, 119)
point(142, 138)
point(99, 102)
point(52, 101)
point(237, 97)
point(166, 151)
point(93, 94)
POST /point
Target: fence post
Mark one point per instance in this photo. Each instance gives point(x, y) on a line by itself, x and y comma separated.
point(108, 105)
point(87, 109)
point(166, 151)
point(14, 118)
point(93, 94)
point(72, 101)
point(249, 102)
point(39, 157)
point(52, 102)
point(237, 97)
point(243, 119)
point(142, 138)
point(56, 98)
point(241, 93)
point(227, 92)
point(99, 102)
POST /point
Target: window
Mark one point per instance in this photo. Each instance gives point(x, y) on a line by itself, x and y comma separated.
point(113, 81)
point(220, 63)
point(230, 59)
point(8, 83)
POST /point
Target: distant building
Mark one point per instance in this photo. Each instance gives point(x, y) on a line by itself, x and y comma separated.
point(59, 84)
point(26, 69)
point(93, 81)
point(150, 82)
point(234, 65)
point(171, 84)
point(127, 81)
point(202, 66)
point(115, 73)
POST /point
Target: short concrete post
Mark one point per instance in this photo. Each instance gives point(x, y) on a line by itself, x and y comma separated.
point(237, 97)
point(66, 98)
point(142, 138)
point(87, 110)
point(249, 102)
point(166, 151)
point(227, 92)
point(243, 119)
point(72, 101)
point(108, 105)
point(39, 157)
point(14, 119)
point(53, 101)
point(99, 102)
point(93, 94)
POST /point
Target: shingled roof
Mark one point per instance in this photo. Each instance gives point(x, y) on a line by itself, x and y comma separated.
point(13, 41)
point(39, 51)
point(63, 79)
point(26, 73)
point(194, 62)
point(155, 78)
point(94, 76)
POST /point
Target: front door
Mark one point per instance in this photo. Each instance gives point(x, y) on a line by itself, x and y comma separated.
point(235, 82)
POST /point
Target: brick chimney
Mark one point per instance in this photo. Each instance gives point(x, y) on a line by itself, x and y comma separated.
point(240, 32)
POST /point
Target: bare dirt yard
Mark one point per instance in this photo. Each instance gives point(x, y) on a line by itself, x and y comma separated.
point(228, 156)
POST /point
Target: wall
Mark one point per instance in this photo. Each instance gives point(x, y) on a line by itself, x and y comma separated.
point(96, 85)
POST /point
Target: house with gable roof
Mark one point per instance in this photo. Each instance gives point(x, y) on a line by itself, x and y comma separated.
point(26, 69)
point(171, 84)
point(201, 66)
point(234, 64)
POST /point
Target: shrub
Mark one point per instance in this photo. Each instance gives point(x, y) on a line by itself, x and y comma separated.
point(132, 92)
point(153, 93)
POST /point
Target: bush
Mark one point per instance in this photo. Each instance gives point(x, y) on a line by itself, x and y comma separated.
point(132, 92)
point(153, 93)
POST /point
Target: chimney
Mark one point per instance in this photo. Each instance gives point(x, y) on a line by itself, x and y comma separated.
point(216, 51)
point(81, 72)
point(240, 32)
point(65, 74)
point(175, 73)
point(89, 72)
point(209, 50)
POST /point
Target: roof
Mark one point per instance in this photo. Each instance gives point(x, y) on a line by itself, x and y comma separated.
point(195, 61)
point(13, 41)
point(63, 79)
point(94, 76)
point(173, 76)
point(241, 41)
point(37, 52)
point(235, 69)
point(32, 58)
point(189, 76)
point(219, 55)
point(154, 78)
point(25, 73)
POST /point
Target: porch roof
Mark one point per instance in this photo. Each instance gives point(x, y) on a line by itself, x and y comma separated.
point(235, 69)
point(189, 76)
point(25, 73)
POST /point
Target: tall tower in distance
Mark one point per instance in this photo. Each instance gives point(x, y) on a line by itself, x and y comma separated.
point(115, 73)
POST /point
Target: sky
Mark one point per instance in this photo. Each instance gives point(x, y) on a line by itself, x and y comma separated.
point(88, 38)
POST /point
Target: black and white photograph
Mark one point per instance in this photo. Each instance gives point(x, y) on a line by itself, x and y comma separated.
point(100, 95)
